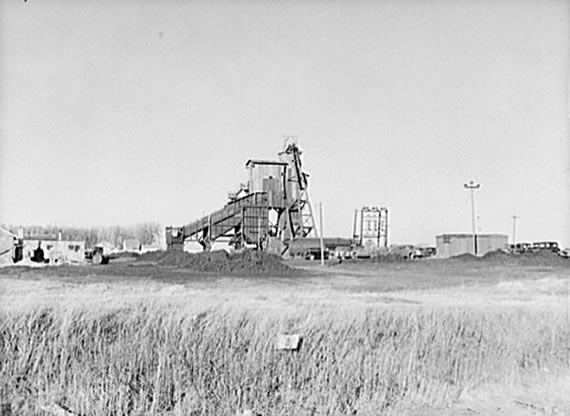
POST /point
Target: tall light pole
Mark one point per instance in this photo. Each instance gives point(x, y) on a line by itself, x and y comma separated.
point(322, 233)
point(514, 230)
point(472, 186)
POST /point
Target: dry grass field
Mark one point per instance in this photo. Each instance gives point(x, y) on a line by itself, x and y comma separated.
point(423, 338)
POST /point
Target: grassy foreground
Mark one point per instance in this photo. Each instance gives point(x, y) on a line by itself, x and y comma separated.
point(142, 360)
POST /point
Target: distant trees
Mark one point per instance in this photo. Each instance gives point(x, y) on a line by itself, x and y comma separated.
point(147, 233)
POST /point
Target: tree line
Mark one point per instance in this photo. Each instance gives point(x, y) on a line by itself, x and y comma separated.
point(147, 233)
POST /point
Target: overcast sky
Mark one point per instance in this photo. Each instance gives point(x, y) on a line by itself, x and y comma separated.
point(128, 111)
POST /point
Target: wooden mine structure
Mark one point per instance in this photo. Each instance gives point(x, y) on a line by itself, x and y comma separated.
point(268, 212)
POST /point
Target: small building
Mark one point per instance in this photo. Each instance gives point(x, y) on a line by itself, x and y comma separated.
point(56, 250)
point(147, 248)
point(106, 246)
point(131, 244)
point(449, 245)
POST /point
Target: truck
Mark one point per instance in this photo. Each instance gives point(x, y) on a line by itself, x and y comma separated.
point(95, 255)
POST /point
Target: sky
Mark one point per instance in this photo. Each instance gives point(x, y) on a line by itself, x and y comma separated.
point(132, 111)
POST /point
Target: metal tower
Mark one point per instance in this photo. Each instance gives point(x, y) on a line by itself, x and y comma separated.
point(297, 219)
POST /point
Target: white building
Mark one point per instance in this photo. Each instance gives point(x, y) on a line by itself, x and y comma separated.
point(56, 251)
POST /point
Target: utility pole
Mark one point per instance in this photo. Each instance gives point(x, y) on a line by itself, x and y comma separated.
point(515, 229)
point(321, 233)
point(472, 186)
point(354, 231)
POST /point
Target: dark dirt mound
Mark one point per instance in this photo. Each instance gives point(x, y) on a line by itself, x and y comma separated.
point(390, 258)
point(542, 258)
point(382, 258)
point(464, 257)
point(124, 255)
point(498, 256)
point(539, 258)
point(242, 263)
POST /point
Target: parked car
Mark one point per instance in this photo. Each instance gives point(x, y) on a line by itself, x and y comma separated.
point(96, 256)
point(545, 245)
point(424, 252)
point(520, 248)
point(315, 254)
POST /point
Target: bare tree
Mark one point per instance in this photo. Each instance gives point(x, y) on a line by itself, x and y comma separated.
point(148, 232)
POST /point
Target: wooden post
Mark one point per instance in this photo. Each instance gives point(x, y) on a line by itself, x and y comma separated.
point(354, 230)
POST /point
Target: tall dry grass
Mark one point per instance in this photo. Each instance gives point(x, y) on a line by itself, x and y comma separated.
point(142, 361)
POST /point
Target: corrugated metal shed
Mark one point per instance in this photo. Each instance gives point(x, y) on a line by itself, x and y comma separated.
point(449, 245)
point(268, 176)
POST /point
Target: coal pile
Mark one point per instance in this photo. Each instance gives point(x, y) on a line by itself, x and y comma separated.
point(539, 258)
point(498, 255)
point(542, 258)
point(245, 262)
point(389, 258)
point(465, 257)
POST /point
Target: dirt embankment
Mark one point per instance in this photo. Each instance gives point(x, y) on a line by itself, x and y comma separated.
point(539, 258)
point(242, 263)
point(500, 258)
